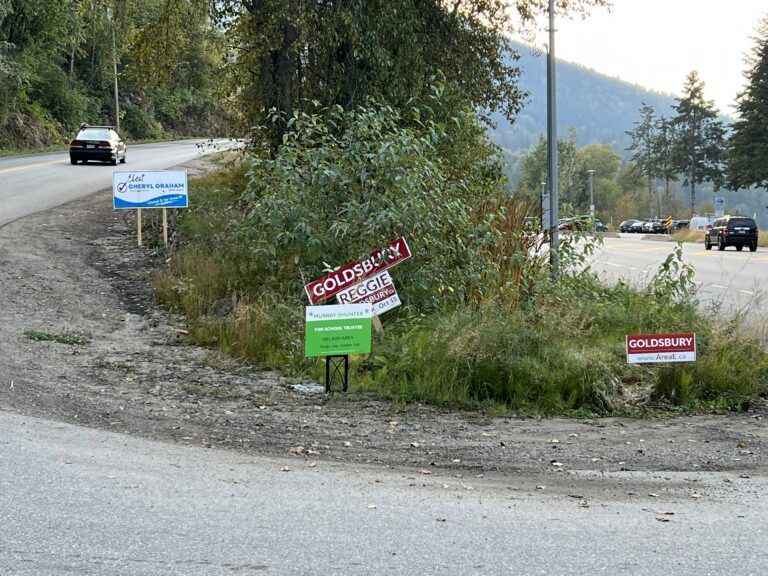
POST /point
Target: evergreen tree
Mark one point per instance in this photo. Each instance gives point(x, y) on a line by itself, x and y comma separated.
point(665, 138)
point(644, 144)
point(700, 138)
point(748, 146)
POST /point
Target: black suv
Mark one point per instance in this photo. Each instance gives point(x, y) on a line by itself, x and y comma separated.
point(736, 231)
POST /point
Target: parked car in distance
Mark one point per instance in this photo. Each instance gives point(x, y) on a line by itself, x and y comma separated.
point(626, 225)
point(637, 227)
point(680, 225)
point(654, 226)
point(701, 222)
point(658, 226)
point(581, 223)
point(736, 231)
point(100, 143)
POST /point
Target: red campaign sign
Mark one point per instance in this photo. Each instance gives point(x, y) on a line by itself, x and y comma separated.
point(338, 280)
point(642, 343)
point(661, 348)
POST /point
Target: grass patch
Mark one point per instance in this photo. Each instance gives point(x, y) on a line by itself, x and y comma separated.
point(565, 357)
point(64, 338)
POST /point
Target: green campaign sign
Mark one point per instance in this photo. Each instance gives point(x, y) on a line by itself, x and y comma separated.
point(337, 330)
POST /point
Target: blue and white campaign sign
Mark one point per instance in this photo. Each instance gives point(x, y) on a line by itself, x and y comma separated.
point(151, 189)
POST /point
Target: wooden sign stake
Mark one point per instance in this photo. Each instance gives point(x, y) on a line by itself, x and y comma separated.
point(376, 323)
point(165, 226)
point(138, 224)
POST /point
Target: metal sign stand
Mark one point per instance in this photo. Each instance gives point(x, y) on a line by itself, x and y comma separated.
point(333, 371)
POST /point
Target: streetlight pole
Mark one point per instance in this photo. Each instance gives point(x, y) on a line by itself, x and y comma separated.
point(592, 198)
point(552, 146)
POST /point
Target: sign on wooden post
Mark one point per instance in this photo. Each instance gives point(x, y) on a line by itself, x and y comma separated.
point(150, 189)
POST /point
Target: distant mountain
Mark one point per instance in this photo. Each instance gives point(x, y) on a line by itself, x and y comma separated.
point(599, 107)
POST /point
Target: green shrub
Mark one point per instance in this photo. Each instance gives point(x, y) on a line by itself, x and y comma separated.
point(345, 182)
point(140, 124)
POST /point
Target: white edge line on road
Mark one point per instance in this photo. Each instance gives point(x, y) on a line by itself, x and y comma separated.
point(718, 286)
point(746, 292)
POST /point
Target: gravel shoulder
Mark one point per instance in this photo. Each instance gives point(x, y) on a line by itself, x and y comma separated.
point(76, 270)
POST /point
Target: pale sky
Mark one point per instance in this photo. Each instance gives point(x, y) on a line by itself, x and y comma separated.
point(656, 43)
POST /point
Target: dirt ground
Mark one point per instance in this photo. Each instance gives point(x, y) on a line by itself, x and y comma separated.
point(76, 270)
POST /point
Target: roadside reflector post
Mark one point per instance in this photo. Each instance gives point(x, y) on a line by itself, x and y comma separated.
point(138, 225)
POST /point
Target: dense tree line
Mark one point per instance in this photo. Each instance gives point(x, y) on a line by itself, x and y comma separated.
point(63, 61)
point(287, 55)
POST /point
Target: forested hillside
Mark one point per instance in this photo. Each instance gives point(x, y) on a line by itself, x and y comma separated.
point(600, 108)
point(61, 62)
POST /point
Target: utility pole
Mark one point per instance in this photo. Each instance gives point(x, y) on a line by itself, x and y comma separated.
point(114, 70)
point(552, 147)
point(592, 198)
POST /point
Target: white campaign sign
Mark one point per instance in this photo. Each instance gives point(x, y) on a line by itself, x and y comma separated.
point(378, 291)
point(150, 189)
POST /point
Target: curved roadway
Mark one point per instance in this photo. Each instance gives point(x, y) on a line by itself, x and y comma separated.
point(29, 184)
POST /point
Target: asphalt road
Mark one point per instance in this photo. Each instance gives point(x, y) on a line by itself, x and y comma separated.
point(729, 281)
point(86, 502)
point(30, 184)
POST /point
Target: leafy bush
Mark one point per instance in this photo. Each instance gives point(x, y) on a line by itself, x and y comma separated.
point(140, 124)
point(346, 182)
